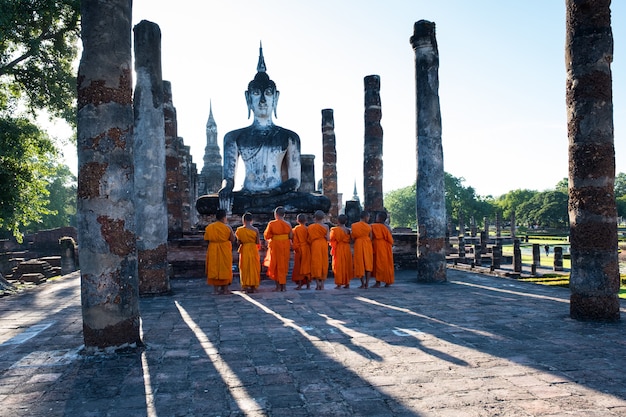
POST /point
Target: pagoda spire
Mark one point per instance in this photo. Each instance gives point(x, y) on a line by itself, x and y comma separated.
point(211, 120)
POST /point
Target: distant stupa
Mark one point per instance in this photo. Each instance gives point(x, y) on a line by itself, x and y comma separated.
point(210, 178)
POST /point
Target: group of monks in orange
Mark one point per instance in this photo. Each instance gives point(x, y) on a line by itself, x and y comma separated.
point(363, 252)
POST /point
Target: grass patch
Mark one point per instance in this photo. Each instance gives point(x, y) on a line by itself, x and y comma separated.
point(557, 280)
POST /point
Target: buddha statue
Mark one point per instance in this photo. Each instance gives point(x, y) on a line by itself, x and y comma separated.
point(271, 157)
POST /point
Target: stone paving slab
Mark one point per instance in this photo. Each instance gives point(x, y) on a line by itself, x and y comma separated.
point(474, 346)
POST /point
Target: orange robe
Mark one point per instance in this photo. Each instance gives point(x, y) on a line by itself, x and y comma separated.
point(302, 254)
point(342, 256)
point(249, 259)
point(279, 250)
point(318, 236)
point(382, 243)
point(219, 254)
point(363, 252)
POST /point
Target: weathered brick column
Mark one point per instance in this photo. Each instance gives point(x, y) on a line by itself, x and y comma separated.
point(373, 148)
point(172, 164)
point(186, 180)
point(594, 279)
point(105, 211)
point(431, 204)
point(149, 156)
point(329, 167)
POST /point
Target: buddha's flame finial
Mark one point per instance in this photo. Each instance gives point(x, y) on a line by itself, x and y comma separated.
point(261, 65)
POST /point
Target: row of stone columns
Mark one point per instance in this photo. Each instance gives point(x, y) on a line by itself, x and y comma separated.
point(135, 174)
point(109, 204)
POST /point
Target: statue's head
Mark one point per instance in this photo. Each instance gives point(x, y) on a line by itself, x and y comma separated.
point(262, 95)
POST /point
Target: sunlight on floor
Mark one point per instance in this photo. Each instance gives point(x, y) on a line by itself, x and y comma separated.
point(422, 316)
point(245, 403)
point(147, 382)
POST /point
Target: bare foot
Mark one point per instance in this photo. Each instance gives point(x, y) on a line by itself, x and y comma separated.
point(337, 287)
point(377, 285)
point(346, 286)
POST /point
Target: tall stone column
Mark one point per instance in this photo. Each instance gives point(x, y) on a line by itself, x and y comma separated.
point(105, 210)
point(430, 190)
point(329, 168)
point(149, 157)
point(172, 166)
point(373, 147)
point(307, 176)
point(186, 179)
point(594, 278)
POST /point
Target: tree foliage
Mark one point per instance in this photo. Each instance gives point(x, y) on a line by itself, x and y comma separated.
point(509, 202)
point(38, 45)
point(401, 203)
point(546, 209)
point(61, 205)
point(26, 155)
point(463, 201)
point(401, 207)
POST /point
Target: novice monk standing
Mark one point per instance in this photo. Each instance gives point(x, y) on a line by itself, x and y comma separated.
point(382, 242)
point(219, 254)
point(318, 239)
point(278, 234)
point(301, 273)
point(363, 253)
point(249, 260)
point(341, 252)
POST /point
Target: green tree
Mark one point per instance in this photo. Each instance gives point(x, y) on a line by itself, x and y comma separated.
point(562, 186)
point(38, 45)
point(402, 210)
point(401, 206)
point(509, 202)
point(546, 208)
point(462, 200)
point(26, 155)
point(62, 200)
point(620, 185)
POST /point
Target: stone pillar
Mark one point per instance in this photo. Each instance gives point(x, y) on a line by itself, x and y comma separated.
point(536, 254)
point(594, 278)
point(483, 242)
point(461, 224)
point(149, 157)
point(513, 225)
point(558, 259)
point(68, 255)
point(186, 179)
point(496, 259)
point(473, 230)
point(486, 226)
point(517, 256)
point(329, 169)
point(193, 194)
point(172, 166)
point(430, 190)
point(478, 260)
point(307, 168)
point(373, 148)
point(105, 210)
point(498, 225)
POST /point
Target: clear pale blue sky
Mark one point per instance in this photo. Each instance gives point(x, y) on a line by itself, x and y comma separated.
point(502, 80)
